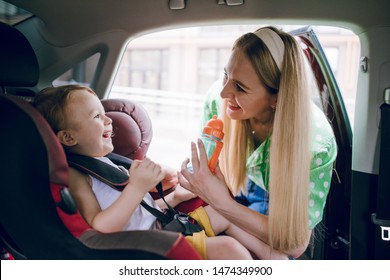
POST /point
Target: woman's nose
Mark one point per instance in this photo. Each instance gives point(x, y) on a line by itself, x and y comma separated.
point(226, 92)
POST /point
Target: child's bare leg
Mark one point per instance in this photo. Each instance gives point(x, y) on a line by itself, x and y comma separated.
point(226, 248)
point(262, 250)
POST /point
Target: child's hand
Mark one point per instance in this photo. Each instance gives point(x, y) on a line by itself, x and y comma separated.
point(145, 174)
point(170, 180)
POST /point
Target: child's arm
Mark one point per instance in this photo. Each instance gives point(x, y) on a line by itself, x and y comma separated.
point(176, 197)
point(144, 176)
point(81, 189)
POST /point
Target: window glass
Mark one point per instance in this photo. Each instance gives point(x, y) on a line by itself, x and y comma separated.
point(342, 49)
point(144, 69)
point(211, 61)
point(11, 14)
point(82, 73)
point(171, 78)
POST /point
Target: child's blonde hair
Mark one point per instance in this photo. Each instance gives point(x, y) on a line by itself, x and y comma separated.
point(51, 103)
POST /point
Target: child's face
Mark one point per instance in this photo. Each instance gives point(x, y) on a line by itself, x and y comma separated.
point(87, 125)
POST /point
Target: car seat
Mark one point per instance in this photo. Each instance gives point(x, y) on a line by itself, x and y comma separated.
point(133, 134)
point(38, 219)
point(132, 130)
point(132, 127)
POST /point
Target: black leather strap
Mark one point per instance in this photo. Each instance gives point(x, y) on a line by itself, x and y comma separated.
point(108, 174)
point(116, 178)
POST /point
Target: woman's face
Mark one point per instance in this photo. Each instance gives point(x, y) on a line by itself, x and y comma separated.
point(245, 94)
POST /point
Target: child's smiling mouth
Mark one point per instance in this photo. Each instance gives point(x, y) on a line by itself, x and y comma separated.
point(107, 134)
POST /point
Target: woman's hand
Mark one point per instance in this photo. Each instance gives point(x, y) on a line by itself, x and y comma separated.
point(208, 186)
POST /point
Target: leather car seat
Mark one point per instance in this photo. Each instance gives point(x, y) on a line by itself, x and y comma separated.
point(132, 127)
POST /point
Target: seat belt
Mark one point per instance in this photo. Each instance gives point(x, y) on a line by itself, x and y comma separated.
point(382, 216)
point(171, 219)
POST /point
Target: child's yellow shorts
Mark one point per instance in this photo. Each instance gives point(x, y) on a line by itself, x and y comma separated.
point(198, 239)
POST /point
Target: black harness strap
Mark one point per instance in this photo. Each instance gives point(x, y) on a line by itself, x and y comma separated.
point(108, 174)
point(171, 220)
point(116, 178)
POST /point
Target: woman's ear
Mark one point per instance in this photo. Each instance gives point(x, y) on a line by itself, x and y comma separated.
point(274, 101)
point(66, 138)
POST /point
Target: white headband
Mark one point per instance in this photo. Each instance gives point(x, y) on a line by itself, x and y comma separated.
point(274, 44)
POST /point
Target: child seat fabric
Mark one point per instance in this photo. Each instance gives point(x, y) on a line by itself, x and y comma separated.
point(132, 127)
point(37, 220)
point(33, 225)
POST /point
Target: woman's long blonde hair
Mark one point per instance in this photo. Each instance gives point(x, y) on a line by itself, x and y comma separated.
point(290, 154)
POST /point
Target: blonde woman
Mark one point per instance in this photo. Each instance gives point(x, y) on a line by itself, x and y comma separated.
point(279, 148)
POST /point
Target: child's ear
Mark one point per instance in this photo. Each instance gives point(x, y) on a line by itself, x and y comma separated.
point(66, 138)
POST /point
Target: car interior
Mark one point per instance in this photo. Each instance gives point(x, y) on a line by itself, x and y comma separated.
point(38, 219)
point(43, 165)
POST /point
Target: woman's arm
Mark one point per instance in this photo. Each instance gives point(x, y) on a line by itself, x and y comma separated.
point(253, 222)
point(213, 190)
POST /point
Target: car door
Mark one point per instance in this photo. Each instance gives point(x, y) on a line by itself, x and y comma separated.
point(332, 242)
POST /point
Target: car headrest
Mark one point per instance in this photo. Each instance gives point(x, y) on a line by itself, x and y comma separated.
point(131, 125)
point(18, 63)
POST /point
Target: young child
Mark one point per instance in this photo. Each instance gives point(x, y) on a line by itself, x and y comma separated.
point(77, 117)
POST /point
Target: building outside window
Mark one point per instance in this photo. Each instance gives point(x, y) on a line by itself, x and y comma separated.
point(171, 81)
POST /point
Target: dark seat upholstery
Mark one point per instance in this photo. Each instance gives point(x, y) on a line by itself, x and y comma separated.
point(36, 221)
point(19, 65)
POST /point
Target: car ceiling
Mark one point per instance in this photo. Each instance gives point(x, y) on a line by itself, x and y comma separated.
point(63, 23)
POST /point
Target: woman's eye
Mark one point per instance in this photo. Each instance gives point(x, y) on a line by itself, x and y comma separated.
point(239, 88)
point(224, 77)
point(97, 116)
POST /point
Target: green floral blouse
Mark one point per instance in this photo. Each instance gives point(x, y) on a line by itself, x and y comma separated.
point(324, 150)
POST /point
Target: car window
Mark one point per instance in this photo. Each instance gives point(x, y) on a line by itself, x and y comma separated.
point(83, 73)
point(171, 78)
point(11, 14)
